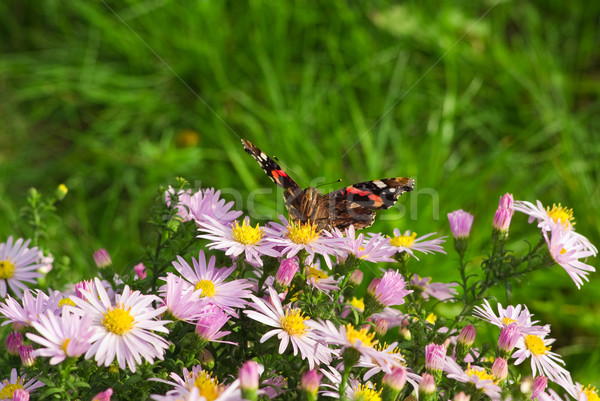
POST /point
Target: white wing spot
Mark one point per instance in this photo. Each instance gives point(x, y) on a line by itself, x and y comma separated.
point(379, 184)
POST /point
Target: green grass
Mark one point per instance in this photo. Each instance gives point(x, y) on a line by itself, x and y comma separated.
point(471, 99)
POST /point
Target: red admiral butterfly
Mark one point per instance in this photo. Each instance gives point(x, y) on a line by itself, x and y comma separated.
point(352, 205)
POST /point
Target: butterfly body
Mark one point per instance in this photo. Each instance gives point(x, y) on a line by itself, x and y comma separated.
point(352, 205)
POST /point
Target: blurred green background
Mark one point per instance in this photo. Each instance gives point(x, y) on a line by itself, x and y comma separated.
point(472, 99)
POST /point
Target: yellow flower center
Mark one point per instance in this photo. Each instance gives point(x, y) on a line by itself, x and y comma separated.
point(302, 233)
point(536, 345)
point(591, 392)
point(316, 274)
point(403, 240)
point(384, 346)
point(65, 345)
point(293, 322)
point(365, 393)
point(66, 301)
point(7, 269)
point(431, 318)
point(209, 386)
point(357, 303)
point(561, 213)
point(208, 288)
point(507, 321)
point(367, 339)
point(8, 390)
point(246, 234)
point(482, 374)
point(118, 320)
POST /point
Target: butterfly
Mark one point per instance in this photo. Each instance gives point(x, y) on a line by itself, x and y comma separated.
point(352, 205)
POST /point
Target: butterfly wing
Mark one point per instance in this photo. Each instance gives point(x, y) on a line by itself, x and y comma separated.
point(355, 203)
point(293, 193)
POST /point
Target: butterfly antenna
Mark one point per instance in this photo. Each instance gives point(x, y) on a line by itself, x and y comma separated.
point(329, 183)
point(288, 168)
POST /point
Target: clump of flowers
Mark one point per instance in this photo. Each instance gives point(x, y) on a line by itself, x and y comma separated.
point(221, 309)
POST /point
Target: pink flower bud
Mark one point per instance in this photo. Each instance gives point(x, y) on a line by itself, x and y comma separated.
point(311, 381)
point(539, 385)
point(356, 277)
point(467, 335)
point(396, 378)
point(248, 375)
point(504, 213)
point(26, 354)
point(286, 272)
point(508, 337)
point(140, 271)
point(435, 357)
point(500, 369)
point(461, 397)
point(102, 258)
point(427, 384)
point(103, 396)
point(460, 223)
point(13, 342)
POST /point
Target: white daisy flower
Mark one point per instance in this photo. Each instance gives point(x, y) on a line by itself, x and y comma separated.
point(475, 375)
point(125, 330)
point(290, 326)
point(548, 217)
point(225, 294)
point(66, 336)
point(567, 250)
point(236, 239)
point(18, 265)
point(512, 314)
point(408, 242)
point(543, 360)
point(293, 238)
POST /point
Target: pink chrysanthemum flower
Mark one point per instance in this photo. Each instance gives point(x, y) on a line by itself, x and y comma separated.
point(293, 238)
point(182, 301)
point(202, 204)
point(210, 322)
point(224, 294)
point(200, 380)
point(512, 314)
point(460, 223)
point(543, 360)
point(374, 249)
point(347, 336)
point(475, 375)
point(408, 242)
point(549, 217)
point(441, 291)
point(566, 250)
point(32, 307)
point(236, 239)
point(18, 265)
point(66, 336)
point(125, 330)
point(390, 289)
point(16, 382)
point(290, 326)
